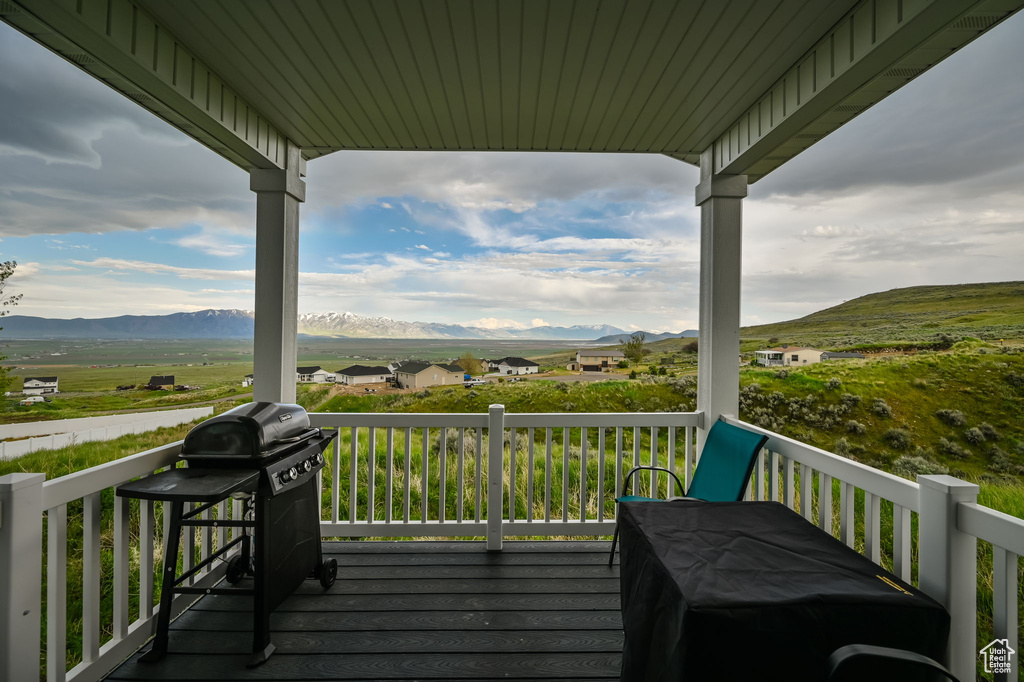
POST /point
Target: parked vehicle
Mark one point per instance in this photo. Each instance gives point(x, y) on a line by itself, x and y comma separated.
point(473, 382)
point(31, 400)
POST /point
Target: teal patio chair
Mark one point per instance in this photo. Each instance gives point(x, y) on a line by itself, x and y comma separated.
point(722, 473)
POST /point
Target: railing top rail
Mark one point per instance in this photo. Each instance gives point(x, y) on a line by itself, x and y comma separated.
point(992, 526)
point(397, 419)
point(81, 483)
point(898, 490)
point(601, 419)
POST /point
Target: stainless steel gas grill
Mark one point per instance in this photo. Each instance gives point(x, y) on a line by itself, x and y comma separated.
point(266, 454)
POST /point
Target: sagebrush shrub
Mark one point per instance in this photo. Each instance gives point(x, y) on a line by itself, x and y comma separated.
point(952, 417)
point(974, 435)
point(850, 399)
point(897, 438)
point(833, 384)
point(912, 466)
point(989, 431)
point(953, 449)
point(881, 408)
point(855, 427)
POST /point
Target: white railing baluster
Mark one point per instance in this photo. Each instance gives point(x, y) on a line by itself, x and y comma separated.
point(776, 465)
point(825, 502)
point(442, 473)
point(873, 527)
point(547, 475)
point(806, 492)
point(389, 474)
point(619, 473)
point(146, 563)
point(353, 473)
point(901, 557)
point(788, 483)
point(407, 482)
point(425, 482)
point(600, 473)
point(56, 592)
point(671, 454)
point(688, 457)
point(583, 474)
point(336, 478)
point(479, 473)
point(636, 460)
point(512, 475)
point(761, 475)
point(122, 569)
point(206, 537)
point(460, 498)
point(91, 577)
point(188, 545)
point(530, 477)
point(565, 473)
point(652, 457)
point(371, 460)
point(847, 526)
point(1004, 603)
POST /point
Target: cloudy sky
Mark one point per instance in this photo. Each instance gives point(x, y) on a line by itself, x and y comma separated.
point(109, 211)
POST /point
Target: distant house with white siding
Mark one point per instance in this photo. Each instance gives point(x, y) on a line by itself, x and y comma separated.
point(39, 385)
point(361, 374)
point(514, 366)
point(788, 356)
point(313, 375)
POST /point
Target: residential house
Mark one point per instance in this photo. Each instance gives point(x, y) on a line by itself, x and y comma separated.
point(423, 374)
point(161, 383)
point(788, 356)
point(596, 360)
point(314, 375)
point(515, 366)
point(39, 385)
point(361, 374)
point(247, 381)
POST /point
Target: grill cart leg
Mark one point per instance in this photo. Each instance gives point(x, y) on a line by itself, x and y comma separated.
point(262, 647)
point(163, 618)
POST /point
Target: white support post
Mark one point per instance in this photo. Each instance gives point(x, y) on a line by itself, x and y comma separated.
point(720, 198)
point(21, 570)
point(278, 195)
point(495, 475)
point(948, 565)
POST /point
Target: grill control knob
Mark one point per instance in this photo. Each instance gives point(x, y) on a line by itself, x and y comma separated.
point(293, 472)
point(284, 476)
point(306, 466)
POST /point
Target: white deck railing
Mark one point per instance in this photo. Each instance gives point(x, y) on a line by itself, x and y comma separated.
point(428, 475)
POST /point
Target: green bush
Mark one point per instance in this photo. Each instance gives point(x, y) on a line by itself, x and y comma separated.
point(988, 431)
point(974, 436)
point(952, 417)
point(881, 408)
point(897, 438)
point(855, 427)
point(833, 384)
point(953, 449)
point(912, 466)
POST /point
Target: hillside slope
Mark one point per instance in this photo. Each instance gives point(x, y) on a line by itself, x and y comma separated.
point(991, 310)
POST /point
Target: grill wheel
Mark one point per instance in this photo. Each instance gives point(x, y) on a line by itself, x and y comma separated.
point(327, 572)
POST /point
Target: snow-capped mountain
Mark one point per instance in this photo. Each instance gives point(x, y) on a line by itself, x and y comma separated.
point(239, 324)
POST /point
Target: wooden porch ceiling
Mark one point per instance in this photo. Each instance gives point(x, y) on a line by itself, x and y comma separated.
point(757, 80)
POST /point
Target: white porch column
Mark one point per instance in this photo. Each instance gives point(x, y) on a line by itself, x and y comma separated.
point(278, 195)
point(948, 565)
point(720, 198)
point(21, 568)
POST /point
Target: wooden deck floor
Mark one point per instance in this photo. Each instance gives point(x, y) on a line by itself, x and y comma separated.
point(418, 611)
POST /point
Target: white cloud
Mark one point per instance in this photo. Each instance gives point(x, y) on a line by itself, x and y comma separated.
point(495, 323)
point(423, 246)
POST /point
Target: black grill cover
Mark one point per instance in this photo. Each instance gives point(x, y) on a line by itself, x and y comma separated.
point(752, 591)
point(248, 431)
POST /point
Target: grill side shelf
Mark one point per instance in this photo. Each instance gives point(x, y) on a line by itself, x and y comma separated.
point(191, 485)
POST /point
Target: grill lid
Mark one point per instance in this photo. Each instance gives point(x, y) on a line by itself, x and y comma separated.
point(248, 431)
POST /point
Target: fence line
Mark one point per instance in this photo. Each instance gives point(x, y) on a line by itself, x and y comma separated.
point(61, 433)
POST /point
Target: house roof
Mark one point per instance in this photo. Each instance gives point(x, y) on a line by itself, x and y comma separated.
point(417, 367)
point(516, 362)
point(750, 83)
point(363, 371)
point(46, 380)
point(789, 349)
point(161, 380)
point(311, 369)
point(840, 356)
point(601, 354)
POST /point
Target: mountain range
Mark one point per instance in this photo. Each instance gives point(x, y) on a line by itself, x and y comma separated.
point(239, 324)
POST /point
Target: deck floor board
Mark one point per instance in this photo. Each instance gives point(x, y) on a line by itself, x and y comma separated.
point(418, 611)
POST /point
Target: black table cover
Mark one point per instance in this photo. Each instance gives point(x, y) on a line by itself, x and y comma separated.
point(753, 591)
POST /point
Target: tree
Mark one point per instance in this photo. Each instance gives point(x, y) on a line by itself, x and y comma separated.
point(469, 364)
point(6, 270)
point(633, 348)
